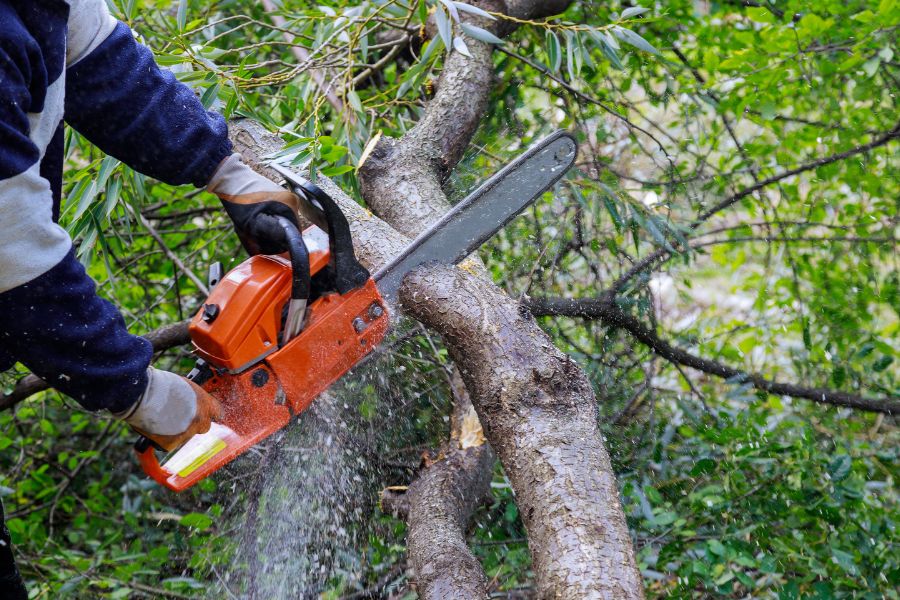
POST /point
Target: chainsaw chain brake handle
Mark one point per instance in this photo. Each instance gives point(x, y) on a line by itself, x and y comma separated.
point(348, 274)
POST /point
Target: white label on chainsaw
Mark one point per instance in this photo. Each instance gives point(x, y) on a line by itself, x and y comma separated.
point(203, 445)
point(238, 275)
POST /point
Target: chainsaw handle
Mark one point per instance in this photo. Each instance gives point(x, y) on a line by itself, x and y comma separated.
point(300, 284)
point(146, 453)
point(349, 274)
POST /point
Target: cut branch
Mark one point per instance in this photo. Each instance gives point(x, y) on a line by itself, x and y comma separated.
point(608, 312)
point(440, 503)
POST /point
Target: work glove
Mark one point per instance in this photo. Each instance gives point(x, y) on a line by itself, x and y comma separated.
point(171, 410)
point(253, 202)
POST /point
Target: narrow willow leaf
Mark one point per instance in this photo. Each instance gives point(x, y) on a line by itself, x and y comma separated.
point(210, 96)
point(181, 16)
point(480, 34)
point(444, 28)
point(451, 8)
point(630, 37)
point(364, 47)
point(353, 99)
point(570, 56)
point(474, 10)
point(460, 46)
point(435, 44)
point(633, 11)
point(608, 50)
point(609, 39)
point(423, 12)
point(554, 52)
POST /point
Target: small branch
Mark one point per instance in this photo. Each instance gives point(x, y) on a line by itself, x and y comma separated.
point(607, 311)
point(821, 162)
point(661, 254)
point(168, 252)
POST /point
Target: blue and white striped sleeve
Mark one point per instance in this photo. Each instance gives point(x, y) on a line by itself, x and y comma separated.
point(117, 97)
point(31, 242)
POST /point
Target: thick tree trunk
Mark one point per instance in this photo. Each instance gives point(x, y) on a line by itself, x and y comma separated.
point(540, 416)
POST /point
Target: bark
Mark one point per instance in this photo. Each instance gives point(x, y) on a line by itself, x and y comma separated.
point(440, 503)
point(540, 416)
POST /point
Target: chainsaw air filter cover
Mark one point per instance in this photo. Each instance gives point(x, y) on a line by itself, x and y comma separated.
point(240, 321)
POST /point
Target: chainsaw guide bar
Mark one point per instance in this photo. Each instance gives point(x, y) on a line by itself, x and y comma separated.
point(277, 331)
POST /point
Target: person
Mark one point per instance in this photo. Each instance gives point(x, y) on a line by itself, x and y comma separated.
point(71, 61)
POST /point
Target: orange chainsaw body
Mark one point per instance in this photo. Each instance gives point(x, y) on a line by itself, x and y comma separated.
point(261, 383)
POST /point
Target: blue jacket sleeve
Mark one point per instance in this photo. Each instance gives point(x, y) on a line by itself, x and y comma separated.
point(120, 100)
point(58, 327)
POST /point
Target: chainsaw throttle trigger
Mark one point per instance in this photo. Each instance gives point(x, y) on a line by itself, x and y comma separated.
point(348, 273)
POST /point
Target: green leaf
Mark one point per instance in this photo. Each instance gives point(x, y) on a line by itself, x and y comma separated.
point(554, 50)
point(353, 99)
point(839, 467)
point(451, 8)
point(336, 170)
point(474, 10)
point(444, 27)
point(460, 46)
point(630, 37)
point(197, 521)
point(181, 15)
point(633, 11)
point(480, 34)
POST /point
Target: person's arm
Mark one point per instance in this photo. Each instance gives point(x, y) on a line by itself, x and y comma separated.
point(119, 99)
point(51, 318)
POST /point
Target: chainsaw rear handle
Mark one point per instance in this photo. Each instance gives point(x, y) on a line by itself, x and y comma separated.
point(276, 224)
point(300, 282)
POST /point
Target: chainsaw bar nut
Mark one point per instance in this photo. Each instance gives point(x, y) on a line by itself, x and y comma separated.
point(359, 325)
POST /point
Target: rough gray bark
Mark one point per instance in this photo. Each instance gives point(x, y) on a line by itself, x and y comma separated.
point(440, 503)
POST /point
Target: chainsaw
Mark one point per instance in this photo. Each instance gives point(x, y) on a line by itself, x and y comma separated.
point(277, 331)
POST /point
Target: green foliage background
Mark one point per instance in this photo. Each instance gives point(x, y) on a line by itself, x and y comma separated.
point(729, 492)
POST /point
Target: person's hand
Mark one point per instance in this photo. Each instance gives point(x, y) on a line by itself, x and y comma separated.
point(252, 202)
point(171, 410)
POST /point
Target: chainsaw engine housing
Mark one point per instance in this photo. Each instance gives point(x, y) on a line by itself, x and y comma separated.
point(260, 382)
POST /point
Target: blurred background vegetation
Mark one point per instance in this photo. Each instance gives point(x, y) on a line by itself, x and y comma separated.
point(730, 492)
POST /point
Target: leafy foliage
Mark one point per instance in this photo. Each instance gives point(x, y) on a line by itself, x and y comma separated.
point(678, 107)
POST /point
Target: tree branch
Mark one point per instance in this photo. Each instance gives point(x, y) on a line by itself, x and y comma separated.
point(607, 311)
point(661, 254)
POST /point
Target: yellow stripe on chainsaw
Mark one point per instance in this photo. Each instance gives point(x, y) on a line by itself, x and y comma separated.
point(198, 462)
